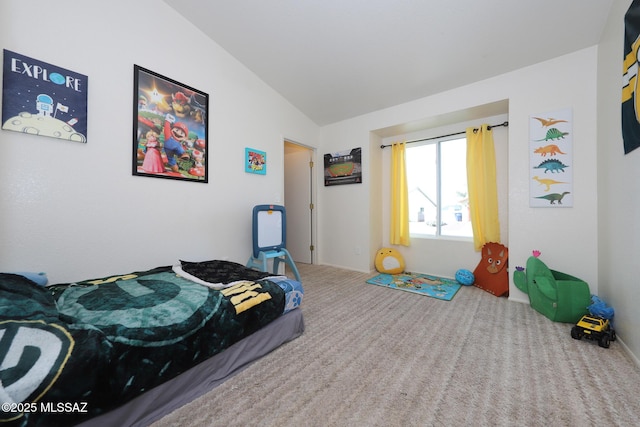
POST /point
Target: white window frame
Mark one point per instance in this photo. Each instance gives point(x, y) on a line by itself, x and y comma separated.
point(438, 155)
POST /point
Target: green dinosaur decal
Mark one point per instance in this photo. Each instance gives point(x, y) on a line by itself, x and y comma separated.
point(552, 165)
point(554, 197)
point(552, 134)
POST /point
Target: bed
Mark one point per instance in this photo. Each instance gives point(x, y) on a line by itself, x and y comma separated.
point(128, 349)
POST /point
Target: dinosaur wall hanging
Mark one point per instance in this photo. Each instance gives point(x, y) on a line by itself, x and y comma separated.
point(551, 159)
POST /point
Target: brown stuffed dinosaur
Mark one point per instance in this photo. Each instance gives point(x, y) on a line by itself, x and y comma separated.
point(492, 274)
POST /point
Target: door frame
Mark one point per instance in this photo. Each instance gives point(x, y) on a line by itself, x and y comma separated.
point(313, 191)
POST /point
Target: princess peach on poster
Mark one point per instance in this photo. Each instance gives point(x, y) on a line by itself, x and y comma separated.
point(152, 159)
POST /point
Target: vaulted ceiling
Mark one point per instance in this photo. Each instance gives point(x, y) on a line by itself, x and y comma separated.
point(338, 59)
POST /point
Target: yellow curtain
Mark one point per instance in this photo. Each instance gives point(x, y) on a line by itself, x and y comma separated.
point(481, 182)
point(399, 196)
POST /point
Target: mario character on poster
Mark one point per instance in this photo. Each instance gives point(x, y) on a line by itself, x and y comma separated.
point(170, 139)
point(43, 99)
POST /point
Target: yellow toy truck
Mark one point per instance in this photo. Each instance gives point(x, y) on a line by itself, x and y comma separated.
point(594, 328)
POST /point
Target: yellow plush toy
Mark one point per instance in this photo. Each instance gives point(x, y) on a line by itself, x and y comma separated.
point(390, 261)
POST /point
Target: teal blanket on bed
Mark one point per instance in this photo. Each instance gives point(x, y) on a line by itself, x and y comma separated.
point(96, 344)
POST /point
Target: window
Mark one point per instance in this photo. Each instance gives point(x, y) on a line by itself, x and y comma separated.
point(437, 183)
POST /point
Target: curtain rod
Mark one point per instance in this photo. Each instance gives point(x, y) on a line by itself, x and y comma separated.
point(505, 124)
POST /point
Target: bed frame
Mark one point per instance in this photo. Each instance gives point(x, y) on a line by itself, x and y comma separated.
point(164, 399)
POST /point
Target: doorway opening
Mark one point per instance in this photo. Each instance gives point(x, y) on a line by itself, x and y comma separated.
point(299, 201)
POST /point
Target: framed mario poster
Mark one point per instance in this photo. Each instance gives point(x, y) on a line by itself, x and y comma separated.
point(170, 131)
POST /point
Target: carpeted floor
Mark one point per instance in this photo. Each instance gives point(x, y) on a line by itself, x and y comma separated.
point(372, 357)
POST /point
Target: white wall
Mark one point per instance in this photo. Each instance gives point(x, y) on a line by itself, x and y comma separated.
point(558, 233)
point(618, 190)
point(75, 211)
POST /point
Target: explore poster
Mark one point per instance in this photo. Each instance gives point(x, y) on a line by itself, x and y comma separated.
point(43, 99)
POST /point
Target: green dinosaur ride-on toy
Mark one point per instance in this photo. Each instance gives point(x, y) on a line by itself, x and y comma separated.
point(594, 328)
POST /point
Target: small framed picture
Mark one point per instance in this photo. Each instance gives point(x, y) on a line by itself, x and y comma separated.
point(255, 161)
point(170, 130)
point(343, 167)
